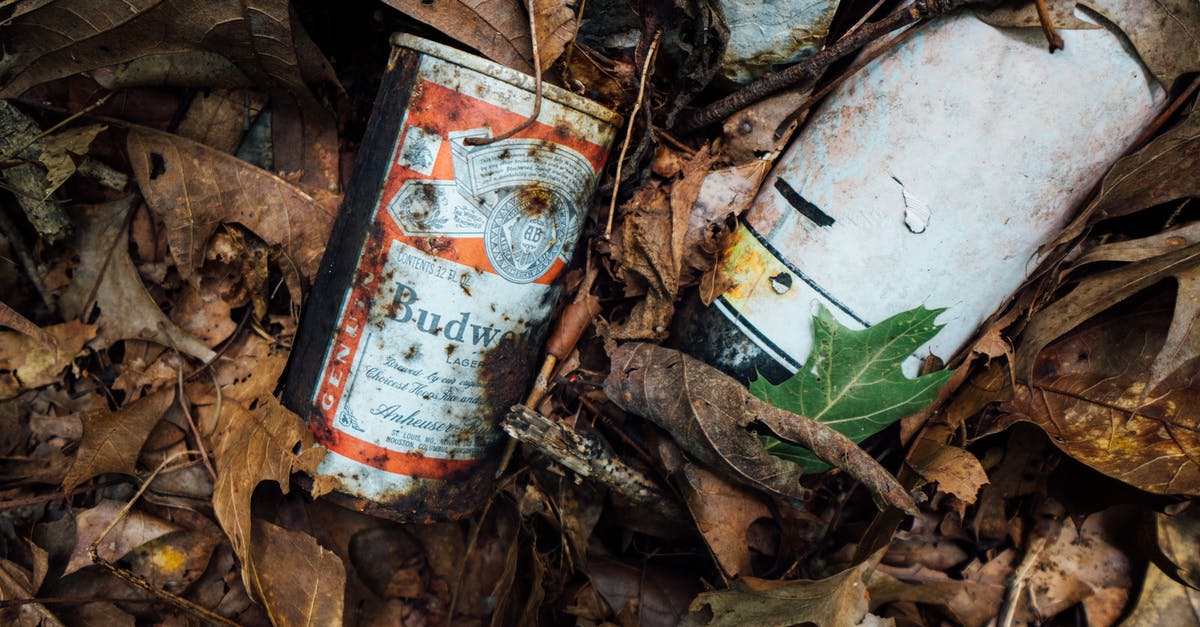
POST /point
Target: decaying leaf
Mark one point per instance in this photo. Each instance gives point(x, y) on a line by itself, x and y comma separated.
point(299, 581)
point(837, 601)
point(112, 439)
point(27, 363)
point(707, 413)
point(107, 278)
point(670, 238)
point(195, 188)
point(57, 150)
point(1088, 391)
point(268, 443)
point(852, 379)
point(134, 529)
point(955, 470)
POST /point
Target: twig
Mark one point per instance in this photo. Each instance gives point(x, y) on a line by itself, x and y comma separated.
point(637, 104)
point(537, 80)
point(187, 413)
point(138, 582)
point(814, 65)
point(71, 118)
point(1052, 37)
point(472, 539)
point(588, 456)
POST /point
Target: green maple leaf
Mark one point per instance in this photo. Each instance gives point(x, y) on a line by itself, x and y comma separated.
point(852, 380)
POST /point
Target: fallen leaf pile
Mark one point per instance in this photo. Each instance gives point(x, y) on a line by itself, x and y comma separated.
point(170, 173)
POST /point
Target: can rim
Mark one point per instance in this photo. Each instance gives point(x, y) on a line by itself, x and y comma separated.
point(507, 75)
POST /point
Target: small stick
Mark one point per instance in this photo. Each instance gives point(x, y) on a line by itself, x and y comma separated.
point(537, 98)
point(637, 104)
point(1052, 37)
point(814, 65)
point(138, 582)
point(589, 456)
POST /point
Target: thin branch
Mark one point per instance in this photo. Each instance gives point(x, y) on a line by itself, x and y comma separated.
point(612, 205)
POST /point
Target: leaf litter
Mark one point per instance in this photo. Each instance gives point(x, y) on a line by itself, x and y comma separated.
point(154, 274)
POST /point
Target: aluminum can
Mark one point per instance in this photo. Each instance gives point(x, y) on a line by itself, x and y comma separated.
point(434, 295)
point(929, 178)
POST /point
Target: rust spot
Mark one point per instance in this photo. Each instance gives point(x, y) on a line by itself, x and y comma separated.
point(1175, 241)
point(534, 200)
point(434, 245)
point(505, 372)
point(412, 352)
point(505, 154)
point(450, 349)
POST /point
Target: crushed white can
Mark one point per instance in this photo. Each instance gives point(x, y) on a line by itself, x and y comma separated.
point(929, 178)
point(434, 296)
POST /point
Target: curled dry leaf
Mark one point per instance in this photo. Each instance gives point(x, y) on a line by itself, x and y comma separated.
point(268, 443)
point(107, 278)
point(112, 439)
point(299, 581)
point(27, 363)
point(837, 601)
point(670, 238)
point(707, 413)
point(1088, 391)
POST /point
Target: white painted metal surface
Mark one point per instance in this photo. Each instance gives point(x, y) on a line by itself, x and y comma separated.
point(931, 178)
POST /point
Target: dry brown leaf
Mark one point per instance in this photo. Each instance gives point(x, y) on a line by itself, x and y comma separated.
point(723, 512)
point(217, 117)
point(707, 413)
point(226, 43)
point(1077, 565)
point(27, 363)
point(1160, 172)
point(498, 29)
point(1164, 601)
point(107, 277)
point(18, 583)
point(837, 601)
point(299, 582)
point(955, 470)
point(175, 560)
point(1024, 15)
point(1165, 33)
point(651, 594)
point(133, 529)
point(268, 443)
point(112, 439)
point(57, 150)
point(194, 189)
point(1096, 293)
point(1177, 536)
point(1089, 393)
point(656, 244)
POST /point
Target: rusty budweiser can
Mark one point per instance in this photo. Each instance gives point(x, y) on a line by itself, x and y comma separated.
point(929, 178)
point(435, 293)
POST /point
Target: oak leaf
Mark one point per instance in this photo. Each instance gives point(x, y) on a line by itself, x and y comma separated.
point(112, 439)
